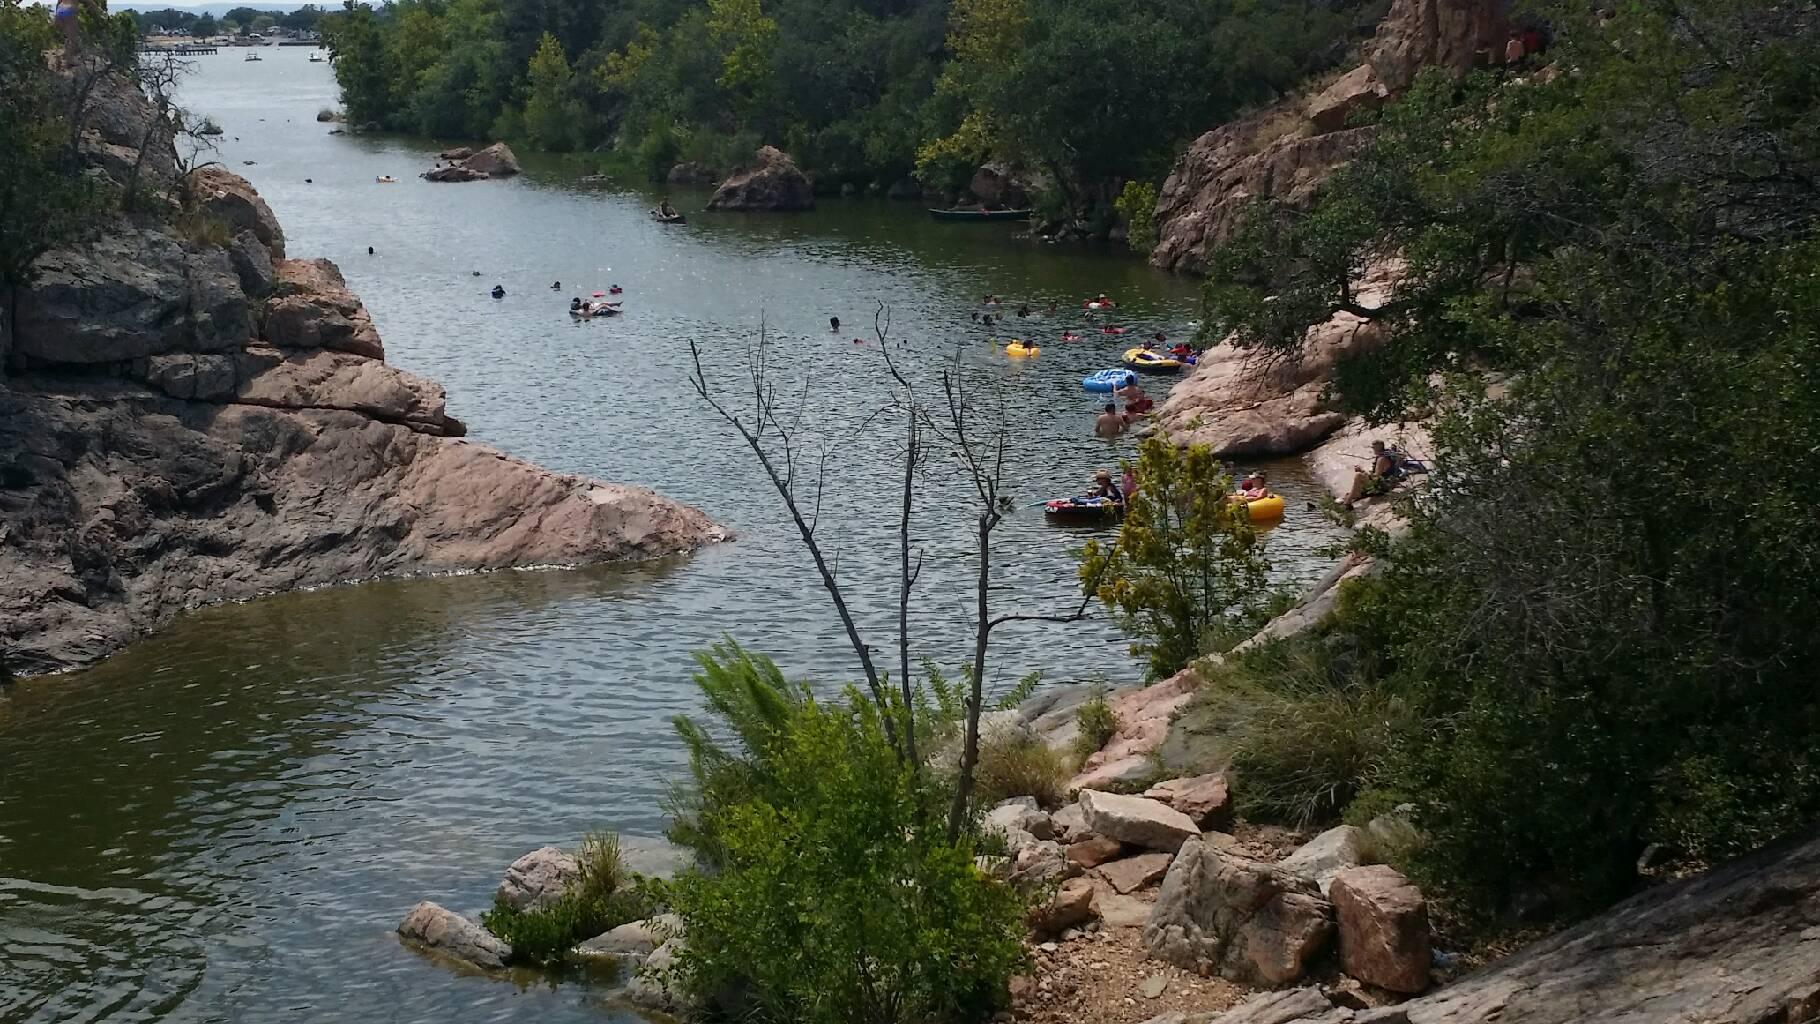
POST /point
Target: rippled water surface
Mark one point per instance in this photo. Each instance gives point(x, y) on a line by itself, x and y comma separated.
point(225, 822)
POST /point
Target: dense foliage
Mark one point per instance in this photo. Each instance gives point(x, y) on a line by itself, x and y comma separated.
point(1601, 630)
point(45, 200)
point(1091, 92)
point(1185, 562)
point(238, 21)
point(832, 893)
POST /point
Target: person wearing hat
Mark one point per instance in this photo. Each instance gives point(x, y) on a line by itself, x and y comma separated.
point(1255, 486)
point(1103, 487)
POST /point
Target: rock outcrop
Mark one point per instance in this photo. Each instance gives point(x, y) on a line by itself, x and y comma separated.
point(1246, 920)
point(1206, 799)
point(1244, 404)
point(1143, 717)
point(1286, 151)
point(1384, 937)
point(183, 423)
point(1325, 856)
point(773, 182)
point(436, 929)
point(1739, 945)
point(495, 161)
point(453, 173)
point(537, 879)
point(1136, 821)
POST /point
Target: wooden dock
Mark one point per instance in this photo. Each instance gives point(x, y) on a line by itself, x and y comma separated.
point(181, 51)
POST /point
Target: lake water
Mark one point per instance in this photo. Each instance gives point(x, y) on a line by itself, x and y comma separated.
point(225, 822)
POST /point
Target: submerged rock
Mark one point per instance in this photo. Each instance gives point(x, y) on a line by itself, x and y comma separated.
point(454, 173)
point(774, 182)
point(442, 931)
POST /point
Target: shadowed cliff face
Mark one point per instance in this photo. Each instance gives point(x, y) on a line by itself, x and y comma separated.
point(188, 417)
point(1287, 150)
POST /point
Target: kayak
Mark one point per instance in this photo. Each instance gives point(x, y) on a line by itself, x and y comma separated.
point(1107, 381)
point(1082, 510)
point(1151, 362)
point(1021, 348)
point(980, 215)
point(1267, 509)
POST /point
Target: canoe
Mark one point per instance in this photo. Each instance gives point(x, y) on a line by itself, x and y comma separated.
point(1076, 511)
point(1146, 361)
point(1267, 509)
point(980, 215)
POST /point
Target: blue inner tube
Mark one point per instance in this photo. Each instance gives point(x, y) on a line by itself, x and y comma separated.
point(1107, 380)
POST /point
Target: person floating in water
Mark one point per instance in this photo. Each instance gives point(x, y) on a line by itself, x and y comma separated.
point(499, 291)
point(1103, 487)
point(1253, 487)
point(665, 210)
point(575, 305)
point(834, 325)
point(1136, 402)
point(556, 287)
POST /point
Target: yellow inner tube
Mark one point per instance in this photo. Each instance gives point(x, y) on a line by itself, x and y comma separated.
point(1266, 509)
point(1019, 348)
point(1142, 356)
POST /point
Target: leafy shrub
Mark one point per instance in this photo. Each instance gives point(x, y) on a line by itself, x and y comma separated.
point(604, 897)
point(1097, 722)
point(1015, 764)
point(834, 896)
point(204, 229)
point(1186, 559)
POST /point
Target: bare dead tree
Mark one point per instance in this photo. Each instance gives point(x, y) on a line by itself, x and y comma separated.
point(981, 454)
point(157, 74)
point(770, 430)
point(913, 414)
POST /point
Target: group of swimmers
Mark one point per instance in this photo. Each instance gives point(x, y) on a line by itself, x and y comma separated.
point(1254, 486)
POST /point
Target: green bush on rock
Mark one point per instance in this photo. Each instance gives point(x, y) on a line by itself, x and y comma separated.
point(830, 893)
point(604, 897)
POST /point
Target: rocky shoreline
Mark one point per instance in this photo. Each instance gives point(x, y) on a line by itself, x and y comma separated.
point(190, 417)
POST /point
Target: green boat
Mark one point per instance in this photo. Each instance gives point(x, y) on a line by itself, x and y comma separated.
point(980, 215)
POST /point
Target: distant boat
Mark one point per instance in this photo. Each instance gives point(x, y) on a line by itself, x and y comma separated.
point(317, 58)
point(253, 56)
point(980, 215)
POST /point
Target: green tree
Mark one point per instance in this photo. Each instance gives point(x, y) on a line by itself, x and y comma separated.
point(551, 116)
point(1186, 560)
point(1601, 619)
point(44, 199)
point(204, 26)
point(363, 67)
point(261, 24)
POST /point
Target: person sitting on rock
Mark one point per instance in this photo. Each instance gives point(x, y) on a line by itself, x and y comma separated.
point(1110, 424)
point(1386, 472)
point(1136, 402)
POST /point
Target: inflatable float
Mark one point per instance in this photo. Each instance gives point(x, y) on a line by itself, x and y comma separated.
point(1112, 330)
point(1021, 348)
point(1107, 381)
point(1267, 509)
point(1146, 361)
point(1082, 510)
point(601, 310)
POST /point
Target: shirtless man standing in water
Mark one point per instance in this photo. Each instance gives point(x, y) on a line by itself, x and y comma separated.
point(1110, 424)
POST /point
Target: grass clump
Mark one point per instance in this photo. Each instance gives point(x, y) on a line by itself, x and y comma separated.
point(1013, 764)
point(1097, 722)
point(603, 897)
